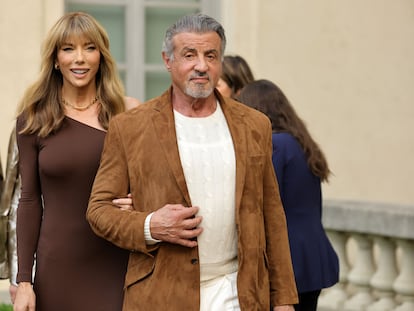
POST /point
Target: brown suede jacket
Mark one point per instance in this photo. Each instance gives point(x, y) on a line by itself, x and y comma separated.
point(141, 156)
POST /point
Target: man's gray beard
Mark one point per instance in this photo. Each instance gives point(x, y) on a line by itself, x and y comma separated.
point(198, 92)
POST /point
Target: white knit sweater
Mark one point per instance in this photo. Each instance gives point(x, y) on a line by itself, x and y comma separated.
point(208, 160)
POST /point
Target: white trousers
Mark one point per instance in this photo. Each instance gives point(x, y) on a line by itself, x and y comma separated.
point(220, 294)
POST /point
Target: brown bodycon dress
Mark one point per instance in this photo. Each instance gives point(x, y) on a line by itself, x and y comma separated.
point(75, 269)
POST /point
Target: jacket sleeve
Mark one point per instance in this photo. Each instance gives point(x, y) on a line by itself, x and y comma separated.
point(8, 203)
point(3, 233)
point(123, 228)
point(282, 282)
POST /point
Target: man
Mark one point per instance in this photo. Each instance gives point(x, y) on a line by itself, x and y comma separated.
point(208, 231)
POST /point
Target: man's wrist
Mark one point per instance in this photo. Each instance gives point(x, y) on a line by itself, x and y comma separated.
point(147, 231)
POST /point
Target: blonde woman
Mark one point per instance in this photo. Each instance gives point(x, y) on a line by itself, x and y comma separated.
point(61, 126)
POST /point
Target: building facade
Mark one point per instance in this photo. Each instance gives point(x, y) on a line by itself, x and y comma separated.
point(346, 66)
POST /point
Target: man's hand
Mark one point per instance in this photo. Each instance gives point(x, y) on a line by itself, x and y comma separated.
point(175, 223)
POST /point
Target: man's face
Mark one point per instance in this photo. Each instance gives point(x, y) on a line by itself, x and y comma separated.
point(196, 66)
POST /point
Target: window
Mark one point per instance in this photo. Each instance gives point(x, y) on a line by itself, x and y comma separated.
point(136, 30)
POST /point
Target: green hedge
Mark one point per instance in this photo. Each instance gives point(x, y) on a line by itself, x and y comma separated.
point(4, 307)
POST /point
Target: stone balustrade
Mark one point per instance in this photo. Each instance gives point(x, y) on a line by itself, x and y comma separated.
point(375, 246)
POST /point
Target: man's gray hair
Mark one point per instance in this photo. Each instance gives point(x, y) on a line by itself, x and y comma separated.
point(197, 23)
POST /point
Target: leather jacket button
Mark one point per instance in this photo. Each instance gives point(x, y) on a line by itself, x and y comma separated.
point(194, 261)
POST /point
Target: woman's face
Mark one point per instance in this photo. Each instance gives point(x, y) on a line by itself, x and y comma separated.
point(78, 60)
point(223, 88)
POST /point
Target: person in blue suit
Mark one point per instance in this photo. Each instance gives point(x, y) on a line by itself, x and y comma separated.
point(300, 167)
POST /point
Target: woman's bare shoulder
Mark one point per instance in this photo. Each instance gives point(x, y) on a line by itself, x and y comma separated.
point(131, 102)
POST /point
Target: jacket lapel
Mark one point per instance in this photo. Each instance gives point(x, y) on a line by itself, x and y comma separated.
point(163, 121)
point(235, 122)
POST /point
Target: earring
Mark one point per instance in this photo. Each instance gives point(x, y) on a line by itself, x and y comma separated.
point(56, 66)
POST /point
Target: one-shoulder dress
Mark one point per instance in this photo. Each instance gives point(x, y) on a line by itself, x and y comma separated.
point(75, 270)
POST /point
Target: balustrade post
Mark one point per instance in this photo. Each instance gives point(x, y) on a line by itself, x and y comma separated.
point(334, 297)
point(385, 275)
point(404, 284)
point(360, 274)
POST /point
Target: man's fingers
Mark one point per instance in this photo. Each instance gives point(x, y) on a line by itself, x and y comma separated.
point(188, 212)
point(176, 224)
point(186, 243)
point(191, 234)
point(191, 223)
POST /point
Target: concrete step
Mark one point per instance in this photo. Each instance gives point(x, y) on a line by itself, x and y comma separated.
point(4, 292)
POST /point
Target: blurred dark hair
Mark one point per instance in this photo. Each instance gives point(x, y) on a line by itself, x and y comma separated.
point(267, 97)
point(236, 73)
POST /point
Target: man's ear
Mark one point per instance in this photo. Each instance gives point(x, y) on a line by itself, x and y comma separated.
point(166, 61)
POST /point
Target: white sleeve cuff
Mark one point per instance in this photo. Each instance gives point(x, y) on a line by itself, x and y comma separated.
point(147, 232)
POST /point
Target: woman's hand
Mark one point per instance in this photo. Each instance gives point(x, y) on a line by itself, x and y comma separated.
point(125, 204)
point(284, 308)
point(12, 292)
point(25, 298)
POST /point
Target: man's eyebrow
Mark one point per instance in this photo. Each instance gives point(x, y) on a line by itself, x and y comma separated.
point(188, 49)
point(215, 51)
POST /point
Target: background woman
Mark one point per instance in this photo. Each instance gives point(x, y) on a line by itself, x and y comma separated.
point(236, 73)
point(300, 167)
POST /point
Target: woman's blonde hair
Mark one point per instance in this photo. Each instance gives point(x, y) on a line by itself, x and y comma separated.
point(41, 104)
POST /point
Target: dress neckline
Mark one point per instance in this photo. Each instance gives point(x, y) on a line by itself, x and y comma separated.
point(85, 124)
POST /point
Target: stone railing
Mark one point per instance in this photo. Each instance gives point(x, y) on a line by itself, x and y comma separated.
point(375, 246)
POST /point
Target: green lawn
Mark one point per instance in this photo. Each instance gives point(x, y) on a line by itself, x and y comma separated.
point(4, 307)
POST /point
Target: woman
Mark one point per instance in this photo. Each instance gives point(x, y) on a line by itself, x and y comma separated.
point(61, 126)
point(300, 167)
point(235, 75)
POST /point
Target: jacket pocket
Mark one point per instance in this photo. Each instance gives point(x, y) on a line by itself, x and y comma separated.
point(139, 267)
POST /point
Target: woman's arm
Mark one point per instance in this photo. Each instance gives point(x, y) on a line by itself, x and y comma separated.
point(30, 209)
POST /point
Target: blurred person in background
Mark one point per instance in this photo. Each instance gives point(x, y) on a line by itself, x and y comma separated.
point(236, 73)
point(3, 233)
point(1, 177)
point(8, 207)
point(300, 167)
